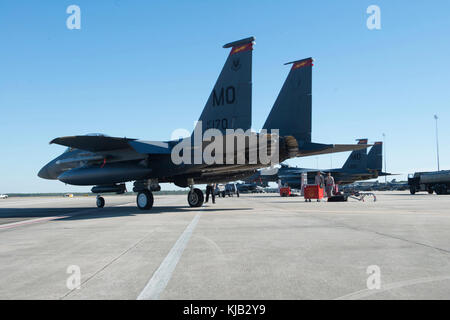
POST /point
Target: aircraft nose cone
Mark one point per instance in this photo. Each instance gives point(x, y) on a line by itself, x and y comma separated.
point(43, 173)
point(50, 171)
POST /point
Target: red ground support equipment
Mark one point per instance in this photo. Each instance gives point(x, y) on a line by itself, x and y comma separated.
point(313, 191)
point(285, 191)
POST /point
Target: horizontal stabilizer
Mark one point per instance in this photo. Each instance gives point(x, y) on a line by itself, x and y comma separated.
point(93, 143)
point(310, 149)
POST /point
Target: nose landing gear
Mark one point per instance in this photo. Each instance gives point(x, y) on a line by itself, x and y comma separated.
point(100, 202)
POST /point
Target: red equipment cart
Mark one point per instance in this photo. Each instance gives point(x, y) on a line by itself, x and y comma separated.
point(285, 191)
point(313, 191)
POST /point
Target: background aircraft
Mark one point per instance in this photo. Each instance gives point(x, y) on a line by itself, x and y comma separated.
point(108, 162)
point(359, 166)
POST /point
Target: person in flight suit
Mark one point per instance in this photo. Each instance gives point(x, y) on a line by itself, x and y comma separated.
point(329, 185)
point(318, 180)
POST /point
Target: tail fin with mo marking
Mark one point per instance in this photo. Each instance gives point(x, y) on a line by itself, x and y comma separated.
point(229, 105)
point(358, 158)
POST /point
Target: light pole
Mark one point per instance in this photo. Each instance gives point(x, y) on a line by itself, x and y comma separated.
point(384, 149)
point(437, 140)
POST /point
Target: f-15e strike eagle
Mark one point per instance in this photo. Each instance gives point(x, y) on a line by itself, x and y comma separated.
point(108, 162)
point(360, 165)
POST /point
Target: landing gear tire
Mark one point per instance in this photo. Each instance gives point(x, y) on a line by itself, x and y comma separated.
point(100, 202)
point(144, 200)
point(195, 198)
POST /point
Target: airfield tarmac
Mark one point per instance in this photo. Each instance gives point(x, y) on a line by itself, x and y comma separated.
point(252, 247)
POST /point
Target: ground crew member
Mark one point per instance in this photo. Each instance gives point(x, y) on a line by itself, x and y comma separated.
point(329, 185)
point(210, 188)
point(318, 180)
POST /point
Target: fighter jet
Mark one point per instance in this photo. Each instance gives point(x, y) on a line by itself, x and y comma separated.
point(108, 162)
point(358, 166)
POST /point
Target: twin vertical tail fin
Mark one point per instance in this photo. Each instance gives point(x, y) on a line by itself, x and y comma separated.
point(291, 112)
point(375, 157)
point(229, 105)
point(357, 159)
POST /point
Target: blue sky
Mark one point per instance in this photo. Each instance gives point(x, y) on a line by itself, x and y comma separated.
point(144, 68)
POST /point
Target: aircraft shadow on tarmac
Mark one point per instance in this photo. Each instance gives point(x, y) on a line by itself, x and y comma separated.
point(83, 213)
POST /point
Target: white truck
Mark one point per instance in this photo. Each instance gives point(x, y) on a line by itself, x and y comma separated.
point(3, 196)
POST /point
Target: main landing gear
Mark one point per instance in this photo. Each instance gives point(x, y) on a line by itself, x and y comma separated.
point(144, 200)
point(144, 188)
point(195, 198)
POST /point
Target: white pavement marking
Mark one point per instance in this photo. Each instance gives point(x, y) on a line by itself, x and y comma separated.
point(162, 275)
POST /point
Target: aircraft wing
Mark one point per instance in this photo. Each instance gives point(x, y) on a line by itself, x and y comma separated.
point(105, 143)
point(93, 143)
point(311, 149)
